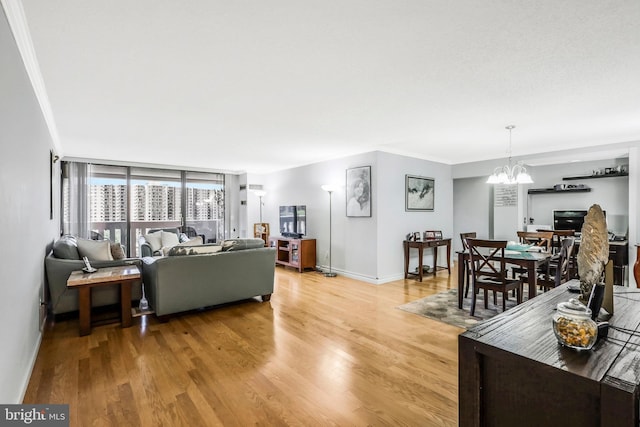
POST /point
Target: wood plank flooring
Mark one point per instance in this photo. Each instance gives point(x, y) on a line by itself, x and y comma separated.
point(323, 351)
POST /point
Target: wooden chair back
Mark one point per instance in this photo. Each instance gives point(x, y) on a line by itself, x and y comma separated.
point(487, 259)
point(559, 236)
point(488, 271)
point(562, 270)
point(541, 239)
point(464, 237)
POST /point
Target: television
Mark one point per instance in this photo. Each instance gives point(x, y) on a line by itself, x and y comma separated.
point(569, 219)
point(293, 221)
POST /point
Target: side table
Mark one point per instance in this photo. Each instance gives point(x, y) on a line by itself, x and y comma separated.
point(421, 245)
point(125, 276)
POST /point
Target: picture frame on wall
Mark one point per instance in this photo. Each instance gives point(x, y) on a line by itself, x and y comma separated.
point(52, 160)
point(419, 193)
point(358, 192)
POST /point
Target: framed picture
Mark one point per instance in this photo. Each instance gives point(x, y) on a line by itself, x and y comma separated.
point(437, 235)
point(52, 160)
point(419, 193)
point(358, 191)
point(429, 235)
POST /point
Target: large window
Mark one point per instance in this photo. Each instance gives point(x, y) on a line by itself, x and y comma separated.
point(204, 205)
point(122, 203)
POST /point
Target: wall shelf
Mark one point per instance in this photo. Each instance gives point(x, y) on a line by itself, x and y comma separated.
point(607, 175)
point(553, 190)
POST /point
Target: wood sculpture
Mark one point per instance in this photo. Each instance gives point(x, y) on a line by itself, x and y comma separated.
point(594, 250)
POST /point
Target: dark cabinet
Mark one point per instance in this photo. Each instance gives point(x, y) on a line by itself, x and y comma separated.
point(512, 371)
point(619, 254)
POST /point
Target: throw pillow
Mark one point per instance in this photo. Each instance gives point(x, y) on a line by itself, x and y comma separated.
point(196, 241)
point(95, 250)
point(241, 244)
point(169, 239)
point(117, 251)
point(66, 247)
point(194, 250)
point(154, 240)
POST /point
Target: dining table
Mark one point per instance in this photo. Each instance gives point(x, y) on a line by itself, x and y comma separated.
point(530, 260)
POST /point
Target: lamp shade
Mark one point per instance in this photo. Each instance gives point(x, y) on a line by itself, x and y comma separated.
point(260, 193)
point(330, 187)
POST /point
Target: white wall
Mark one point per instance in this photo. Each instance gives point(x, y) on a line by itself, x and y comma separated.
point(24, 219)
point(634, 210)
point(472, 211)
point(394, 222)
point(612, 194)
point(369, 248)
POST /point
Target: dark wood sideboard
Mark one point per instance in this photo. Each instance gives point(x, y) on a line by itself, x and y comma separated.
point(619, 254)
point(512, 371)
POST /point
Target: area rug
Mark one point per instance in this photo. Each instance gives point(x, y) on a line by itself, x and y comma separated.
point(443, 307)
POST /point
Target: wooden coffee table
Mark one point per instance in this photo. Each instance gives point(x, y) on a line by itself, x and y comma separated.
point(125, 276)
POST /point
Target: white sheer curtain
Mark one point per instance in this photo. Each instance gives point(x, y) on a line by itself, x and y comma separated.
point(77, 192)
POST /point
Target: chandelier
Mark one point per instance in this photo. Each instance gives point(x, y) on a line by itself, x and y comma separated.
point(516, 174)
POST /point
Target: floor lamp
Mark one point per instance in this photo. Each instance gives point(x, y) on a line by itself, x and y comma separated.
point(329, 189)
point(260, 194)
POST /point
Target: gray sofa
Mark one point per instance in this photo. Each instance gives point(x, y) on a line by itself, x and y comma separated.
point(146, 249)
point(193, 279)
point(65, 258)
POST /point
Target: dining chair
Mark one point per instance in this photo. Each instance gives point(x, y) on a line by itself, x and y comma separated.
point(467, 266)
point(557, 270)
point(540, 239)
point(558, 237)
point(488, 271)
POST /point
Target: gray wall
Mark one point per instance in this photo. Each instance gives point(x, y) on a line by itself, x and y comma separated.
point(612, 194)
point(472, 201)
point(369, 249)
point(24, 218)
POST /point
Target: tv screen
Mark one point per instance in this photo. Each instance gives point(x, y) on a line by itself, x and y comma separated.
point(569, 219)
point(293, 220)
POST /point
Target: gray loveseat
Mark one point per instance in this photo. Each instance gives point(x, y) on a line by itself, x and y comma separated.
point(65, 258)
point(191, 278)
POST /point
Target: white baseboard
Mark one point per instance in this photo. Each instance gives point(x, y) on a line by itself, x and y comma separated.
point(32, 364)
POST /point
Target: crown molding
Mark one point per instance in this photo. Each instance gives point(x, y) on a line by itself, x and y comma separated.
point(18, 23)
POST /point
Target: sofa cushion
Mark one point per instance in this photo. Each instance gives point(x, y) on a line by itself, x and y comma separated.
point(194, 241)
point(241, 244)
point(117, 251)
point(194, 250)
point(66, 247)
point(169, 239)
point(95, 250)
point(155, 240)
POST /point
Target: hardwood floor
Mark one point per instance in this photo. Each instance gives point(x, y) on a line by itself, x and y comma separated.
point(323, 351)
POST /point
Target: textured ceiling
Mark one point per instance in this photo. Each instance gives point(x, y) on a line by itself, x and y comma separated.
point(264, 85)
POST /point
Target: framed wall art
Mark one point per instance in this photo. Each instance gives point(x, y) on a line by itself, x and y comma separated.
point(358, 191)
point(419, 193)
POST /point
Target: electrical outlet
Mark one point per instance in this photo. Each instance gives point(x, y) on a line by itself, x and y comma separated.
point(326, 255)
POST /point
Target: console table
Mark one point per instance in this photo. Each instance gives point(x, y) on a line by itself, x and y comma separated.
point(421, 245)
point(511, 368)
